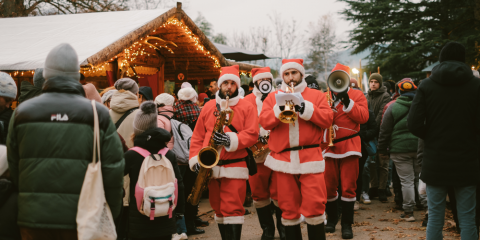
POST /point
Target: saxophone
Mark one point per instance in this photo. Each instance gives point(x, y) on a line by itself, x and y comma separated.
point(331, 134)
point(209, 156)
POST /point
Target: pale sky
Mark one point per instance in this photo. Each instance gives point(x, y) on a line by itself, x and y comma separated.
point(228, 16)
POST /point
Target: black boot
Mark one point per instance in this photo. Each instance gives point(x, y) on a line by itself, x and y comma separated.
point(373, 192)
point(199, 222)
point(382, 196)
point(221, 227)
point(191, 228)
point(233, 231)
point(280, 227)
point(332, 216)
point(266, 222)
point(293, 232)
point(347, 219)
point(316, 232)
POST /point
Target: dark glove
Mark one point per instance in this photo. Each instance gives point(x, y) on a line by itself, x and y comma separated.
point(262, 139)
point(344, 98)
point(281, 108)
point(300, 109)
point(221, 139)
point(196, 168)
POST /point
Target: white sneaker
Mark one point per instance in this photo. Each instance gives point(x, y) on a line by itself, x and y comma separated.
point(356, 207)
point(176, 236)
point(365, 198)
point(183, 236)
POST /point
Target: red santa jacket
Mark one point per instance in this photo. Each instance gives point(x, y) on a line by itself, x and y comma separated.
point(307, 130)
point(346, 122)
point(245, 122)
point(256, 100)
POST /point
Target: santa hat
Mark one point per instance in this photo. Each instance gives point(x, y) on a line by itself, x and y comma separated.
point(260, 73)
point(229, 73)
point(292, 63)
point(341, 67)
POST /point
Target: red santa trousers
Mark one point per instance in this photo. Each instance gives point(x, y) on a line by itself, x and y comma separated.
point(226, 197)
point(263, 186)
point(304, 194)
point(345, 169)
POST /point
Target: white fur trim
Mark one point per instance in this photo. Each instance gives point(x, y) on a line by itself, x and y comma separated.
point(228, 76)
point(263, 132)
point(233, 142)
point(344, 155)
point(258, 99)
point(223, 102)
point(291, 222)
point(302, 168)
point(350, 106)
point(219, 219)
point(275, 202)
point(230, 172)
point(308, 111)
point(192, 162)
point(234, 220)
point(299, 88)
point(294, 140)
point(316, 220)
point(187, 94)
point(262, 203)
point(262, 75)
point(353, 199)
point(293, 65)
point(276, 110)
point(333, 199)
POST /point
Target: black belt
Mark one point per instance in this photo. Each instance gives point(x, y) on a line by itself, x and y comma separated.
point(230, 161)
point(300, 148)
point(346, 138)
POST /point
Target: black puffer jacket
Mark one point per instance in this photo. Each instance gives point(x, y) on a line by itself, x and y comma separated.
point(140, 225)
point(377, 100)
point(446, 114)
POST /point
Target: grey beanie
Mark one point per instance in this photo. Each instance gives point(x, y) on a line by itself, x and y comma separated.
point(108, 95)
point(146, 118)
point(62, 61)
point(8, 88)
point(38, 79)
point(126, 84)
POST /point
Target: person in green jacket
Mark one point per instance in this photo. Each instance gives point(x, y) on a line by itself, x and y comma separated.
point(396, 139)
point(50, 144)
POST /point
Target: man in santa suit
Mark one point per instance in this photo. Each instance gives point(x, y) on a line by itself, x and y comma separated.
point(296, 157)
point(350, 109)
point(263, 183)
point(228, 185)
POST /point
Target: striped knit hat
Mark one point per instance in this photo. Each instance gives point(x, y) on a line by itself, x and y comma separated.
point(146, 118)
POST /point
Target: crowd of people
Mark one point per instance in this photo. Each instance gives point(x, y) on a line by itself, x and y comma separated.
point(330, 151)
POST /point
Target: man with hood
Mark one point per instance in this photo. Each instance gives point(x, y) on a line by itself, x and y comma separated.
point(228, 183)
point(51, 142)
point(296, 156)
point(263, 184)
point(123, 107)
point(396, 139)
point(377, 98)
point(449, 127)
point(27, 90)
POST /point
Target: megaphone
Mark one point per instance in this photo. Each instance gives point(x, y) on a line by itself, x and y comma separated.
point(338, 81)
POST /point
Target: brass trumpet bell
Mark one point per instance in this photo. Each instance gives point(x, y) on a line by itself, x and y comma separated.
point(288, 115)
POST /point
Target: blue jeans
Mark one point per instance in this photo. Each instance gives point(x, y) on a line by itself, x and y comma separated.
point(465, 206)
point(366, 174)
point(181, 226)
point(390, 167)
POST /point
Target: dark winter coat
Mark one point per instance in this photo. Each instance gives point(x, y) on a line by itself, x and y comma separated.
point(368, 129)
point(141, 226)
point(27, 91)
point(50, 144)
point(446, 114)
point(5, 117)
point(8, 211)
point(376, 102)
point(394, 135)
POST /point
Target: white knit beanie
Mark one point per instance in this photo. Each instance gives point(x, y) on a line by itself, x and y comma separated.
point(165, 98)
point(62, 61)
point(8, 88)
point(187, 93)
point(186, 84)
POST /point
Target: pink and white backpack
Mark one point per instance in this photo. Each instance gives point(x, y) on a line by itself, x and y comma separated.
point(156, 190)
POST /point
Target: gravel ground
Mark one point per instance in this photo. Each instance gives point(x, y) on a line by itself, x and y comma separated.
point(374, 222)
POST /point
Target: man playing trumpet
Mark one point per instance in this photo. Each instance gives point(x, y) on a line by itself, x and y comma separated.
point(263, 184)
point(350, 109)
point(227, 187)
point(295, 156)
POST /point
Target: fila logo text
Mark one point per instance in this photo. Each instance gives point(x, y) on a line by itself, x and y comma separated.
point(59, 117)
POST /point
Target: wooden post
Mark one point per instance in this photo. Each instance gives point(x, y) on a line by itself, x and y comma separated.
point(360, 83)
point(161, 76)
point(378, 69)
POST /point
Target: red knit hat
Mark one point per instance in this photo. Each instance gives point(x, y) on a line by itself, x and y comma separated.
point(259, 73)
point(229, 73)
point(341, 67)
point(292, 63)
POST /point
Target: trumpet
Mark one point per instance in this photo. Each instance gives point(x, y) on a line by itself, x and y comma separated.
point(331, 134)
point(209, 156)
point(288, 115)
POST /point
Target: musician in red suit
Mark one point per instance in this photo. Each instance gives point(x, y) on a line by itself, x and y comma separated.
point(263, 183)
point(350, 109)
point(227, 187)
point(296, 157)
